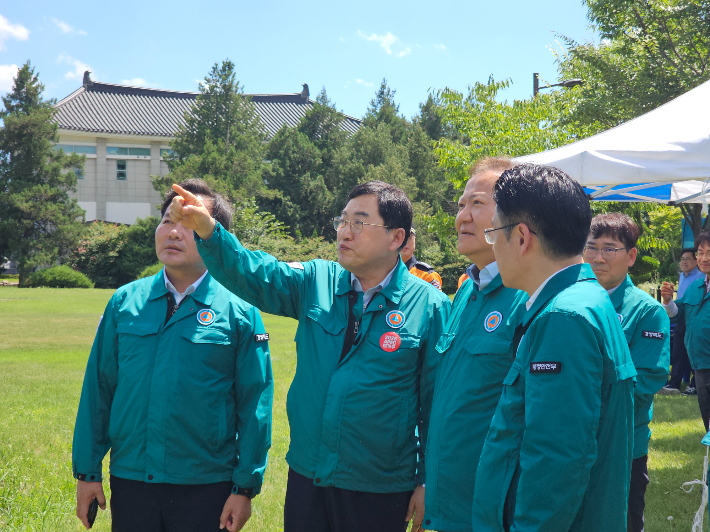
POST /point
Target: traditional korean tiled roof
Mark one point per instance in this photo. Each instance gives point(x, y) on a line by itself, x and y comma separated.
point(120, 109)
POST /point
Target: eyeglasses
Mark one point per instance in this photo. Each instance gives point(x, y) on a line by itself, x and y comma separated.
point(607, 253)
point(355, 225)
point(686, 259)
point(492, 240)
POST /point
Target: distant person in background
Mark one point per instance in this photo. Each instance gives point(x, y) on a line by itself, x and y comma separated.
point(689, 273)
point(462, 279)
point(611, 251)
point(693, 311)
point(416, 267)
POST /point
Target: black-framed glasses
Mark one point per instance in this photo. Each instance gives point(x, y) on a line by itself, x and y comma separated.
point(355, 225)
point(491, 239)
point(608, 253)
point(687, 259)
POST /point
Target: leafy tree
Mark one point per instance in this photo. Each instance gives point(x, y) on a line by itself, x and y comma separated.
point(221, 141)
point(650, 52)
point(490, 127)
point(112, 255)
point(38, 221)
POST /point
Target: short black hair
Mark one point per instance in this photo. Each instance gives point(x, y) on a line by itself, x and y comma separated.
point(549, 202)
point(392, 203)
point(688, 250)
point(616, 225)
point(703, 237)
point(221, 210)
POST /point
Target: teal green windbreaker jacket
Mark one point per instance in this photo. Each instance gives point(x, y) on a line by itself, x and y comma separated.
point(558, 454)
point(188, 402)
point(475, 358)
point(693, 307)
point(352, 421)
point(647, 329)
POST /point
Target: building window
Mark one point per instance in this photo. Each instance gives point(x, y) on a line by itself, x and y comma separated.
point(79, 172)
point(71, 148)
point(115, 150)
point(88, 150)
point(121, 170)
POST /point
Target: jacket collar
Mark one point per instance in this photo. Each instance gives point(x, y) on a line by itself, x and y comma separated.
point(557, 283)
point(623, 290)
point(204, 294)
point(496, 283)
point(394, 289)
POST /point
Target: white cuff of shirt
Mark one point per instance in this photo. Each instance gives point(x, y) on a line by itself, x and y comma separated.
point(671, 308)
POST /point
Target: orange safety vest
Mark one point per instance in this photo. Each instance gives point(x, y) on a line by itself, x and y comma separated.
point(424, 271)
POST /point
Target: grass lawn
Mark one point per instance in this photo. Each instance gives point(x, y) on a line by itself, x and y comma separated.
point(45, 338)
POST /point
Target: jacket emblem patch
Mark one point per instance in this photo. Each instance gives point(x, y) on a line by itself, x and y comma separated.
point(206, 316)
point(395, 319)
point(621, 318)
point(492, 321)
point(652, 334)
point(545, 367)
point(261, 337)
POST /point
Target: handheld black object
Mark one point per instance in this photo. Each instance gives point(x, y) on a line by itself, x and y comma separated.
point(93, 510)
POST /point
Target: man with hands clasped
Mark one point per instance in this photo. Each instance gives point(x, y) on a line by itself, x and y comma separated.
point(693, 310)
point(179, 387)
point(366, 360)
point(475, 358)
point(611, 251)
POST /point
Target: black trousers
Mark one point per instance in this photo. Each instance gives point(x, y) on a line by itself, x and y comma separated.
point(702, 385)
point(679, 354)
point(311, 508)
point(142, 507)
point(637, 494)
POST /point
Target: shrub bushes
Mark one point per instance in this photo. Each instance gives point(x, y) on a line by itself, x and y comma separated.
point(149, 271)
point(59, 277)
point(112, 255)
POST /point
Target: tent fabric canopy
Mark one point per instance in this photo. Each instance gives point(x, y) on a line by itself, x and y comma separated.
point(671, 193)
point(669, 144)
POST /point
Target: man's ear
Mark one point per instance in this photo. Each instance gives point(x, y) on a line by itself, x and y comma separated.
point(398, 238)
point(523, 234)
point(633, 253)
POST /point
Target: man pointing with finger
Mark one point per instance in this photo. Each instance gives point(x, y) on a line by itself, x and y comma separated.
point(366, 360)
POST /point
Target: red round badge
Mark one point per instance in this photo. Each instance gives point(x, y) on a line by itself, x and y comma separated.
point(390, 341)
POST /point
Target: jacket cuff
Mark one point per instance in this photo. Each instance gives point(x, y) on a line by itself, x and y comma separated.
point(217, 228)
point(88, 477)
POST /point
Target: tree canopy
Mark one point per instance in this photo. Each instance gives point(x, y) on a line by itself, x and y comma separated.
point(38, 221)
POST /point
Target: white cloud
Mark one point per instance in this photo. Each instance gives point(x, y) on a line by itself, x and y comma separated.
point(391, 44)
point(136, 82)
point(79, 67)
point(66, 28)
point(12, 31)
point(440, 47)
point(363, 82)
point(7, 75)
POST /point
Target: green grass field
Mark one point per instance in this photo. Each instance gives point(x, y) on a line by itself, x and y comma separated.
point(45, 338)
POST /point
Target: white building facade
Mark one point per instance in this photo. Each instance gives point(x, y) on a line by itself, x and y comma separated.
point(125, 134)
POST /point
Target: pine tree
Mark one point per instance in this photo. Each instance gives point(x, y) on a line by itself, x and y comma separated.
point(221, 141)
point(39, 222)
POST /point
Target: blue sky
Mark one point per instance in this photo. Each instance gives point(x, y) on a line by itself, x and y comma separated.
point(277, 45)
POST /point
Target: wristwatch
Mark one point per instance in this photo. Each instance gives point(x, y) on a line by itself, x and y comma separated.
point(246, 492)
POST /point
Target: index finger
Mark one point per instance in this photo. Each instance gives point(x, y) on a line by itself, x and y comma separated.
point(185, 194)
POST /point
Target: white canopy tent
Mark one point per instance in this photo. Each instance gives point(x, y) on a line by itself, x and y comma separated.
point(662, 156)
